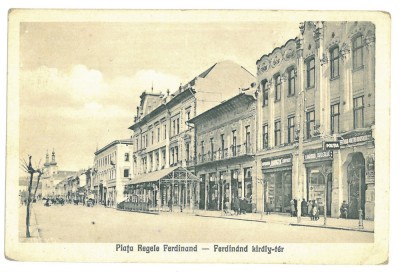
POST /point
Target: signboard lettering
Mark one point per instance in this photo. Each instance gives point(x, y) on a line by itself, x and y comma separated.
point(276, 162)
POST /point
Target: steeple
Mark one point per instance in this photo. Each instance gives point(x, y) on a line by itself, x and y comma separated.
point(53, 158)
point(47, 163)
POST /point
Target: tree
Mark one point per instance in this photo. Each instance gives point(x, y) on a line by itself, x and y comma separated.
point(28, 168)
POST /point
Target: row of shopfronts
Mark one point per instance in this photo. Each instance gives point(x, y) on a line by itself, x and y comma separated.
point(326, 176)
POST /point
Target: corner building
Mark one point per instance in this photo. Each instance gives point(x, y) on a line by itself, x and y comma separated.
point(164, 145)
point(318, 88)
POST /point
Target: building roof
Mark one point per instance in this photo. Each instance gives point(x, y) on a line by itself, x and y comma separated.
point(226, 105)
point(126, 141)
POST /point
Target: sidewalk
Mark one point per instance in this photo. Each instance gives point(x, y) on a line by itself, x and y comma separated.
point(33, 228)
point(281, 218)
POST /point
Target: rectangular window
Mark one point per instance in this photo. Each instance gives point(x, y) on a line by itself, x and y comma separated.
point(248, 140)
point(165, 131)
point(265, 93)
point(265, 136)
point(335, 118)
point(187, 118)
point(277, 132)
point(187, 152)
point(158, 135)
point(310, 75)
point(290, 129)
point(358, 112)
point(202, 151)
point(126, 156)
point(222, 146)
point(177, 126)
point(233, 142)
point(310, 124)
point(278, 87)
point(173, 128)
point(152, 137)
point(126, 173)
point(212, 148)
point(357, 52)
point(291, 82)
point(334, 60)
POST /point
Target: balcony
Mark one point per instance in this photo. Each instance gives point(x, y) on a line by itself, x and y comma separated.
point(227, 153)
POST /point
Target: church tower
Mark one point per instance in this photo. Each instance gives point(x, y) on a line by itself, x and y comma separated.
point(53, 168)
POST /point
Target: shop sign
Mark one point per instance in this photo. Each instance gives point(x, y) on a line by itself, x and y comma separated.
point(331, 145)
point(356, 138)
point(318, 155)
point(276, 162)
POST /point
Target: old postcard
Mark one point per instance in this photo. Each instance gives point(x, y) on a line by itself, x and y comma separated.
point(188, 136)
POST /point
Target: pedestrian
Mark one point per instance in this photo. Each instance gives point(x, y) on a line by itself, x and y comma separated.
point(108, 202)
point(344, 209)
point(314, 212)
point(292, 208)
point(317, 213)
point(309, 207)
point(170, 204)
point(269, 207)
point(295, 207)
point(304, 207)
point(243, 204)
point(236, 205)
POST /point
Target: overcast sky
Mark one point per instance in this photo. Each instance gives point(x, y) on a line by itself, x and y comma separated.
point(80, 82)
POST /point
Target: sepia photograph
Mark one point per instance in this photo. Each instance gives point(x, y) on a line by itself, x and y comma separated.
point(198, 136)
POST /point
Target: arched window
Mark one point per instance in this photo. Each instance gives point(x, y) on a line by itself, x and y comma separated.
point(334, 61)
point(357, 46)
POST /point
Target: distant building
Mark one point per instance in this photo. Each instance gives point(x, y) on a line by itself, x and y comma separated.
point(52, 176)
point(112, 169)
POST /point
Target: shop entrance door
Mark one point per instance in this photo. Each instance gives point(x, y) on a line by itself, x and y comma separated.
point(356, 186)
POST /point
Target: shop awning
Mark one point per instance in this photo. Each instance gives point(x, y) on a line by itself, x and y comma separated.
point(176, 174)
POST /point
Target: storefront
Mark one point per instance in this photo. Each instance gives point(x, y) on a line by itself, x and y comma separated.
point(277, 175)
point(318, 165)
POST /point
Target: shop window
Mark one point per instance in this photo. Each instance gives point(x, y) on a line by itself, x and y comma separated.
point(334, 62)
point(310, 72)
point(358, 112)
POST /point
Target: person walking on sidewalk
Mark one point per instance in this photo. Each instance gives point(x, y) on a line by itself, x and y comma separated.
point(317, 206)
point(314, 212)
point(292, 208)
point(309, 207)
point(170, 204)
point(236, 205)
point(304, 207)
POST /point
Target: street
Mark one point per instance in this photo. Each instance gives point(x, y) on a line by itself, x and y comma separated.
point(80, 224)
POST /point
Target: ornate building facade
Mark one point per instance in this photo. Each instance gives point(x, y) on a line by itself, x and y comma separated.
point(316, 116)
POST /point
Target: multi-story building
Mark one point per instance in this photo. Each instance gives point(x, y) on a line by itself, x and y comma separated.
point(225, 153)
point(112, 169)
point(162, 137)
point(318, 91)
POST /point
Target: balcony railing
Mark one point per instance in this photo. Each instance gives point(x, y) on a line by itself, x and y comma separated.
point(223, 154)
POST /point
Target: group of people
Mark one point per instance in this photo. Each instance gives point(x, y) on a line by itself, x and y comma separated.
point(239, 206)
point(308, 208)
